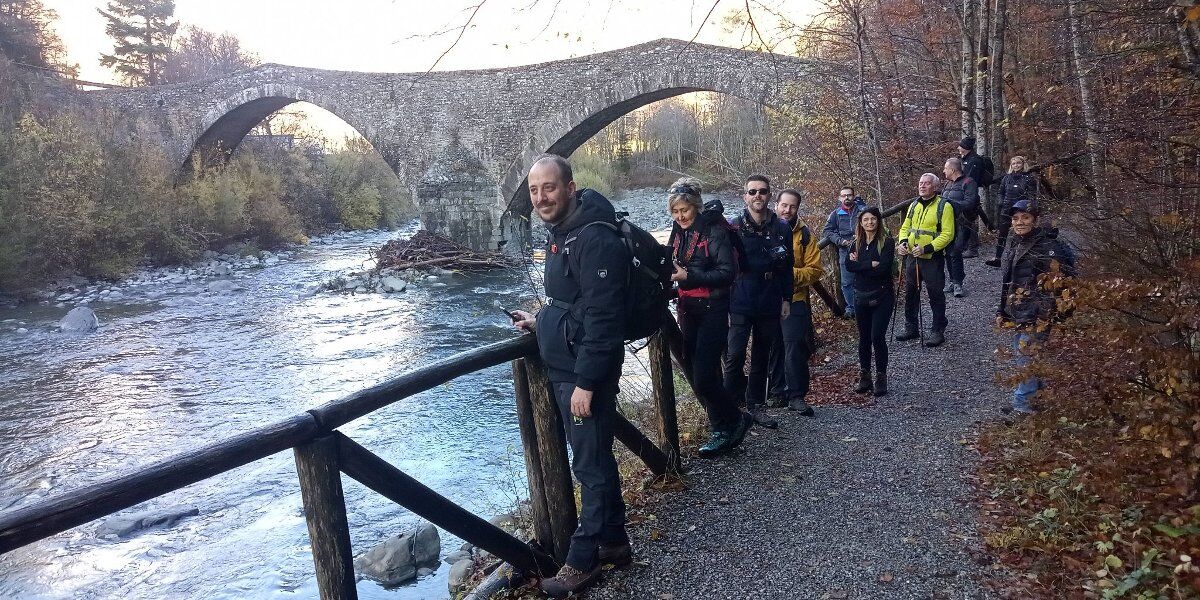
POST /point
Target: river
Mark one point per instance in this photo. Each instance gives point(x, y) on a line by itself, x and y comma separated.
point(173, 367)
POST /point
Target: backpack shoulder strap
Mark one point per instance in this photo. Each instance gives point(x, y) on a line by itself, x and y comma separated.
point(941, 207)
point(804, 235)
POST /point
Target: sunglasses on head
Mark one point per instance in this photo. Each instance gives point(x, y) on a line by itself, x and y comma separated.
point(758, 192)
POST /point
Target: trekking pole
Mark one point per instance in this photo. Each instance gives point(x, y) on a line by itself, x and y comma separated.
point(896, 302)
point(920, 311)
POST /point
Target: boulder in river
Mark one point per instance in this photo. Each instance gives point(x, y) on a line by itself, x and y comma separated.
point(460, 573)
point(222, 285)
point(79, 319)
point(129, 524)
point(397, 559)
point(391, 284)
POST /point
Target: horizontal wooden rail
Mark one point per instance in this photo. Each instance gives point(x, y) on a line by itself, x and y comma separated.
point(339, 412)
point(57, 514)
point(54, 515)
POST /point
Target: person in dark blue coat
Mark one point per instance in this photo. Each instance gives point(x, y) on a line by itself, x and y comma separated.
point(580, 334)
point(839, 230)
point(760, 297)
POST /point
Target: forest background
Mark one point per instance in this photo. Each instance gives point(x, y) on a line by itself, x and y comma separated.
point(1099, 496)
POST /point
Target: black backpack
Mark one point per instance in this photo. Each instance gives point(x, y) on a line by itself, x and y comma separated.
point(648, 287)
point(987, 176)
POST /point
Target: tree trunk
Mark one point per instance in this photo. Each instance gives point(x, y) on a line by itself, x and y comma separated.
point(1083, 72)
point(855, 12)
point(966, 97)
point(983, 120)
point(998, 150)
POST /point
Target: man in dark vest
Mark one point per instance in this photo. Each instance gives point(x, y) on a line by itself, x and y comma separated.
point(581, 340)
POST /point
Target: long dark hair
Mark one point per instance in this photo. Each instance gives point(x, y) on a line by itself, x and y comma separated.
point(882, 235)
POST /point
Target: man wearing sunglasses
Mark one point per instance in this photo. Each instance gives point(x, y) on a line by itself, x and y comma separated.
point(760, 297)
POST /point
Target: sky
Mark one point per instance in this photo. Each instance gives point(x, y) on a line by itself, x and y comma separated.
point(409, 35)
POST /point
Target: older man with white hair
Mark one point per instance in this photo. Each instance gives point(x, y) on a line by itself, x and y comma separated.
point(928, 228)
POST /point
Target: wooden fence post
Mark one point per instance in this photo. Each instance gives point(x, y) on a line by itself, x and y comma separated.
point(542, 531)
point(552, 450)
point(663, 385)
point(325, 512)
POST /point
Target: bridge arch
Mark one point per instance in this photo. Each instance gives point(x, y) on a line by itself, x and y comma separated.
point(227, 122)
point(567, 130)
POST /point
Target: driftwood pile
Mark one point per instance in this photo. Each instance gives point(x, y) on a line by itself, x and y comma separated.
point(427, 250)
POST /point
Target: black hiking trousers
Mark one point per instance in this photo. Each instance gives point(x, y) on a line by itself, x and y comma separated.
point(933, 278)
point(765, 330)
point(704, 337)
point(602, 510)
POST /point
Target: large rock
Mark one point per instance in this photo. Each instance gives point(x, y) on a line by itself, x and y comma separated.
point(80, 319)
point(396, 560)
point(126, 525)
point(222, 285)
point(460, 574)
point(392, 284)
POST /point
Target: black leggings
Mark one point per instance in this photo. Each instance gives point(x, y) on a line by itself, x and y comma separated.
point(704, 339)
point(872, 332)
point(1003, 224)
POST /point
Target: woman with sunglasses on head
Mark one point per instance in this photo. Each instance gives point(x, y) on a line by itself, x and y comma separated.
point(703, 255)
point(870, 259)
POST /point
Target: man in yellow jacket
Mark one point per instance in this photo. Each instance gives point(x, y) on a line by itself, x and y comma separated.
point(799, 340)
point(928, 228)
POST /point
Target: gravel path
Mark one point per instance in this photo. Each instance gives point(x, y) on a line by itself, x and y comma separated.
point(869, 502)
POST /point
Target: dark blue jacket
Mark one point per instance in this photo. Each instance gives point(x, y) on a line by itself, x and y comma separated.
point(766, 282)
point(840, 226)
point(581, 330)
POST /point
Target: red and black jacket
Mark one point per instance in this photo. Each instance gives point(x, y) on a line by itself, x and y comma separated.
point(705, 250)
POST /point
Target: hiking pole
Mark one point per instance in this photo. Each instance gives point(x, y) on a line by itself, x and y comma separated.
point(920, 311)
point(896, 302)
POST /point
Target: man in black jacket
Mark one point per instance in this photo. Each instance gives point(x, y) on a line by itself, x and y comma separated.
point(963, 193)
point(581, 340)
point(981, 170)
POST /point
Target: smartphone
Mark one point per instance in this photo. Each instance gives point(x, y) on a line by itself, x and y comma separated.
point(508, 313)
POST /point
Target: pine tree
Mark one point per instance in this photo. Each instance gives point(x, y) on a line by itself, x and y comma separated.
point(27, 35)
point(142, 30)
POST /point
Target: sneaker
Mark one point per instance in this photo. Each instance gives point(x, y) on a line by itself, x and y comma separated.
point(959, 292)
point(802, 407)
point(971, 252)
point(718, 443)
point(739, 431)
point(934, 339)
point(1025, 411)
point(569, 581)
point(761, 419)
point(776, 401)
point(617, 555)
point(848, 315)
point(909, 334)
point(992, 262)
point(949, 289)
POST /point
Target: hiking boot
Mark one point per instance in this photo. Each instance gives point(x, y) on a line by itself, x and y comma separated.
point(849, 314)
point(761, 419)
point(949, 289)
point(802, 407)
point(617, 555)
point(880, 383)
point(570, 581)
point(992, 262)
point(739, 431)
point(959, 292)
point(720, 442)
point(776, 401)
point(864, 382)
point(909, 334)
point(971, 252)
point(934, 339)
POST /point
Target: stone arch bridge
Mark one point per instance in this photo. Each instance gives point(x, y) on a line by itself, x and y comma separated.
point(461, 141)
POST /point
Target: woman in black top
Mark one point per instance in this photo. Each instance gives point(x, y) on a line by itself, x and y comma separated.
point(871, 260)
point(1015, 186)
point(704, 269)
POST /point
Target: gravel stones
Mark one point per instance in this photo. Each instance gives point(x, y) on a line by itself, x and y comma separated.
point(860, 502)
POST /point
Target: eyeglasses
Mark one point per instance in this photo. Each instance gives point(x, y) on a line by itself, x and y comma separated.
point(758, 192)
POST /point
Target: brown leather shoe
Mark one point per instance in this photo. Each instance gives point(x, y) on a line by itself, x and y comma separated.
point(617, 555)
point(569, 581)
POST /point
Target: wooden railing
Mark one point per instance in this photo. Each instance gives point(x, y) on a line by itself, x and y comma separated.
point(323, 454)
